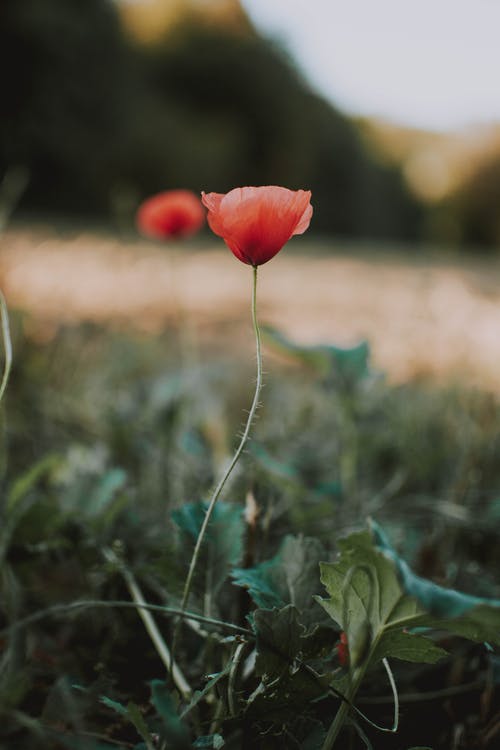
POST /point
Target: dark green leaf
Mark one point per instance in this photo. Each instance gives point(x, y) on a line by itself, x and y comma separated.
point(130, 712)
point(278, 633)
point(30, 478)
point(290, 577)
point(223, 544)
point(175, 730)
point(198, 695)
point(118, 707)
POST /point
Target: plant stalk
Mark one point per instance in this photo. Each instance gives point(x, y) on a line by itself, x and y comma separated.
point(344, 708)
point(220, 486)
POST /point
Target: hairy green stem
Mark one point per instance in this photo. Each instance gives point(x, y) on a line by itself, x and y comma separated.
point(220, 486)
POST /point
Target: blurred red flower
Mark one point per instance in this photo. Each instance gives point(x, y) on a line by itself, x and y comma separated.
point(255, 222)
point(171, 214)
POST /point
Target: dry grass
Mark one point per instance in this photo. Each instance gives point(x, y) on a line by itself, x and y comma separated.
point(423, 316)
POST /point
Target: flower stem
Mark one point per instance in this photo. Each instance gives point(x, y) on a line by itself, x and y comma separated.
point(344, 708)
point(220, 486)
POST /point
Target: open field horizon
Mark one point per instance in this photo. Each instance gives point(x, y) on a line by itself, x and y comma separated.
point(425, 315)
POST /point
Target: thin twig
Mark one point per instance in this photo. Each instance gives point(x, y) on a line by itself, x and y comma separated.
point(429, 695)
point(149, 623)
point(83, 604)
point(7, 344)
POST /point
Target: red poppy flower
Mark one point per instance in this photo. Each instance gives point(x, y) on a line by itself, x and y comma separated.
point(255, 222)
point(173, 213)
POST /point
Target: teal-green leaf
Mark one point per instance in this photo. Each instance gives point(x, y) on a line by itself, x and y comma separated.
point(437, 600)
point(104, 491)
point(223, 544)
point(118, 707)
point(175, 731)
point(348, 364)
point(214, 741)
point(290, 577)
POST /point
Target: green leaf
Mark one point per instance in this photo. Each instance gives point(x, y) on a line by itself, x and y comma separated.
point(290, 577)
point(436, 600)
point(368, 603)
point(198, 695)
point(104, 492)
point(473, 617)
point(278, 635)
point(375, 596)
point(291, 473)
point(30, 478)
point(118, 707)
point(215, 741)
point(131, 712)
point(408, 647)
point(175, 731)
point(223, 544)
point(137, 719)
point(346, 364)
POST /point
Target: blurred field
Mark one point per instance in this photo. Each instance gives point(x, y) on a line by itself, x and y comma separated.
point(424, 314)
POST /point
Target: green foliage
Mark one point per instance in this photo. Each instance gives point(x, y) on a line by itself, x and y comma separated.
point(223, 545)
point(378, 601)
point(174, 730)
point(367, 602)
point(344, 366)
point(290, 577)
point(128, 435)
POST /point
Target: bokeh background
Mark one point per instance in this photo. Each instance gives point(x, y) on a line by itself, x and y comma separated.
point(106, 102)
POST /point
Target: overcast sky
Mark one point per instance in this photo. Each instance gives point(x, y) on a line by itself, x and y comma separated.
point(428, 63)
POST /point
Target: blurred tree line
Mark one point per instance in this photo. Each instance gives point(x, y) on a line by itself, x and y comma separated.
point(101, 122)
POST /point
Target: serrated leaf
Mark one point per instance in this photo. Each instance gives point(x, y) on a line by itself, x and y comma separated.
point(367, 600)
point(290, 577)
point(371, 587)
point(348, 364)
point(175, 730)
point(288, 696)
point(223, 543)
point(278, 639)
